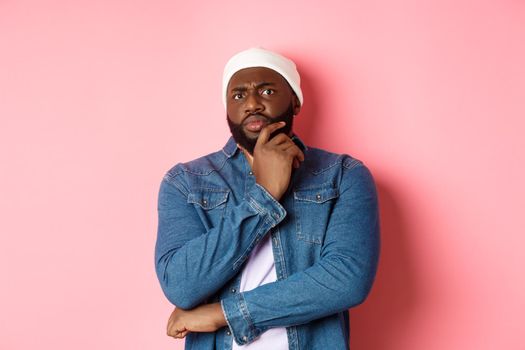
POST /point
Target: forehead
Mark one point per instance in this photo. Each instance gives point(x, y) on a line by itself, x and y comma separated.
point(255, 75)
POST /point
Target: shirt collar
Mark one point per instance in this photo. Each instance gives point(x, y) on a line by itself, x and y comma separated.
point(230, 148)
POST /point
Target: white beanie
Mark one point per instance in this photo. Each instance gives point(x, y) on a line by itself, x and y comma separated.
point(259, 57)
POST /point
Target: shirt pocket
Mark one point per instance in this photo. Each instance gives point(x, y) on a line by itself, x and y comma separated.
point(210, 204)
point(312, 208)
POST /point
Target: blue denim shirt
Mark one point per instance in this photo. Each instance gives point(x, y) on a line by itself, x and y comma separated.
point(325, 240)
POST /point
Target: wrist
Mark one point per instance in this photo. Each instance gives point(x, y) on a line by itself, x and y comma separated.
point(218, 316)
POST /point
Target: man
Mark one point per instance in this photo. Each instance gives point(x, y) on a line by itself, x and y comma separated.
point(266, 243)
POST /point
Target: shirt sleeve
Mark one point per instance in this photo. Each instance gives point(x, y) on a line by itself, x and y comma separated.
point(192, 262)
point(340, 279)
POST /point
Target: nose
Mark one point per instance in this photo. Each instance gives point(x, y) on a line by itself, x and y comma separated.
point(252, 103)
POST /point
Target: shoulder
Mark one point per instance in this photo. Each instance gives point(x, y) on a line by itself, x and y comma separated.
point(200, 166)
point(319, 160)
point(342, 170)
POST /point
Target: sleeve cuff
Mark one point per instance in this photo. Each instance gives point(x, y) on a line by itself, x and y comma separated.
point(239, 320)
point(263, 202)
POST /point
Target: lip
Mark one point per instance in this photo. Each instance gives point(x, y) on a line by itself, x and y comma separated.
point(255, 123)
point(255, 117)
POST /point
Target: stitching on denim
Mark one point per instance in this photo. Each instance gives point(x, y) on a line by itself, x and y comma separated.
point(175, 170)
point(187, 170)
point(211, 189)
point(261, 210)
point(329, 193)
point(293, 342)
point(269, 195)
point(212, 205)
point(345, 159)
point(255, 206)
point(229, 155)
point(284, 273)
point(350, 163)
point(297, 219)
point(171, 180)
point(226, 316)
point(246, 315)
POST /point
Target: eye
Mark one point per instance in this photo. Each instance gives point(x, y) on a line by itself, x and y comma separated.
point(268, 92)
point(237, 96)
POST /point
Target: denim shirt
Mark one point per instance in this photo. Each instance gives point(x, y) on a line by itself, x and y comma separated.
point(325, 240)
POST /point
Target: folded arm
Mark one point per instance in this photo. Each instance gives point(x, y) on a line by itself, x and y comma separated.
point(192, 262)
point(341, 279)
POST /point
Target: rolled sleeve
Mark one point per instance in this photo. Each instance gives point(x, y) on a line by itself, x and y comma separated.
point(239, 320)
point(265, 204)
point(188, 275)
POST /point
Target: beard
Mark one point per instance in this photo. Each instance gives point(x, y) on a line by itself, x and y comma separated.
point(248, 143)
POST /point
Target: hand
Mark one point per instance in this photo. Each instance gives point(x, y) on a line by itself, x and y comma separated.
point(204, 318)
point(273, 159)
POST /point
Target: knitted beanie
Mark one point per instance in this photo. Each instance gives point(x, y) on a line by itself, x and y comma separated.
point(259, 57)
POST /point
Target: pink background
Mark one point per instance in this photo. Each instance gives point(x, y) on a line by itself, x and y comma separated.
point(99, 98)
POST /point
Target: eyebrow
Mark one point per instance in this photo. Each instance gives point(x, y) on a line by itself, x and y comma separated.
point(258, 86)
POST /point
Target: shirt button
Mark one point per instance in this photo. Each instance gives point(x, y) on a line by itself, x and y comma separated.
point(233, 290)
point(251, 173)
point(318, 197)
point(204, 201)
point(275, 215)
point(228, 332)
point(245, 338)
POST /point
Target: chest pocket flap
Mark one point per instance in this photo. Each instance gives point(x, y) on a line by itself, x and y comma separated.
point(316, 195)
point(208, 198)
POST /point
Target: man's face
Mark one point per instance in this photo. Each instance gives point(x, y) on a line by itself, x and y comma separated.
point(257, 97)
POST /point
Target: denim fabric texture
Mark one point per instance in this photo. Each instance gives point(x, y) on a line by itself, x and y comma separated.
point(325, 236)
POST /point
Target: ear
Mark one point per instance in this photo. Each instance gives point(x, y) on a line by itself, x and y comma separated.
point(296, 104)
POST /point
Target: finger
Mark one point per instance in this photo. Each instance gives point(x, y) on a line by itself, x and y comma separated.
point(286, 145)
point(176, 333)
point(264, 135)
point(280, 139)
point(295, 152)
point(293, 149)
point(296, 162)
point(181, 334)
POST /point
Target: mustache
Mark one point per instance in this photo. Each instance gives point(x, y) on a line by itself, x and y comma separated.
point(256, 116)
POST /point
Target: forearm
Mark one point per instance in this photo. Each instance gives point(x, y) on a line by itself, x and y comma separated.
point(333, 285)
point(204, 318)
point(193, 263)
point(340, 279)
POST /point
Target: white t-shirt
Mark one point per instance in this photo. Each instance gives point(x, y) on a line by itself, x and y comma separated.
point(259, 270)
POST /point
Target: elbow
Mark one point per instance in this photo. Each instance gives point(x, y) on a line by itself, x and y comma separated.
point(177, 293)
point(359, 297)
point(360, 293)
point(179, 298)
